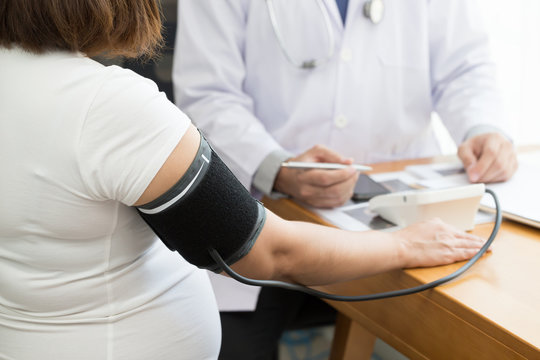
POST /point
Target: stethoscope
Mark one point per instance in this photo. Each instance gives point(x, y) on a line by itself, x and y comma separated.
point(373, 10)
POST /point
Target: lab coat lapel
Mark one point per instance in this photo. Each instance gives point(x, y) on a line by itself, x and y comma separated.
point(333, 13)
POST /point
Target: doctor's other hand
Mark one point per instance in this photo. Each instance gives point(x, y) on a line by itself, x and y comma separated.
point(316, 187)
point(488, 158)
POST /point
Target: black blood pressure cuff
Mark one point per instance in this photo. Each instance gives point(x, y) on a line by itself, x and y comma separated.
point(208, 208)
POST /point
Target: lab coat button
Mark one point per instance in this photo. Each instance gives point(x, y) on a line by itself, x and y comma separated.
point(340, 121)
point(346, 54)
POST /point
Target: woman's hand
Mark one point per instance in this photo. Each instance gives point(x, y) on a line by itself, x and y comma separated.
point(434, 242)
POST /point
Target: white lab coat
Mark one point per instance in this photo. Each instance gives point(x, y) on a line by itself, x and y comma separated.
point(372, 101)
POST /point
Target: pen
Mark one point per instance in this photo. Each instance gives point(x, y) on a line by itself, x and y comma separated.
point(321, 165)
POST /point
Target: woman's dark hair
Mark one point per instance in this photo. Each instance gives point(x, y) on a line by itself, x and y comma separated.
point(129, 28)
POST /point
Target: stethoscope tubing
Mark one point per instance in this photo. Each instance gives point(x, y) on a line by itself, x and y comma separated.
point(313, 63)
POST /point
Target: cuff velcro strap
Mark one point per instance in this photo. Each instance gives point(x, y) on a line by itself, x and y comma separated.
point(207, 208)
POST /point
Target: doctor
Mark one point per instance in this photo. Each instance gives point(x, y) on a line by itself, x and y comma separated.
point(323, 80)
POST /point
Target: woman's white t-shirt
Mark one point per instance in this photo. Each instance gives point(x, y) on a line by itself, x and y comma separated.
point(81, 275)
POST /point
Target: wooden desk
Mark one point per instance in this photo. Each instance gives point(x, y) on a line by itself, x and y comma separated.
point(491, 312)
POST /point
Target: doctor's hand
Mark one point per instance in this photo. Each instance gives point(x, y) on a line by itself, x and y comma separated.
point(488, 158)
point(316, 187)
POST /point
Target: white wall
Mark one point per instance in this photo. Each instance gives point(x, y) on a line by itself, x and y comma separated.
point(515, 29)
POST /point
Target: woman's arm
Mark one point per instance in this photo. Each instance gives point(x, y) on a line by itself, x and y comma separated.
point(313, 254)
point(174, 168)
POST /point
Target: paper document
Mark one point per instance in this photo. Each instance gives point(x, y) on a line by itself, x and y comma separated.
point(357, 216)
point(519, 197)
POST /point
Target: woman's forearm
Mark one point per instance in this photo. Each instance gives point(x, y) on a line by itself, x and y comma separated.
point(313, 254)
